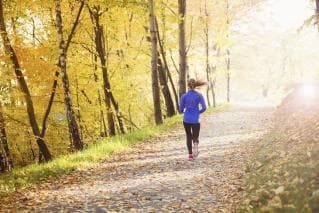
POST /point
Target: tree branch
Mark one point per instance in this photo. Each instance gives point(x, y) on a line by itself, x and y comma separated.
point(76, 22)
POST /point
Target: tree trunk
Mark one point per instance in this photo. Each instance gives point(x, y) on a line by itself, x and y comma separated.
point(72, 123)
point(228, 53)
point(182, 47)
point(207, 66)
point(228, 76)
point(212, 80)
point(165, 90)
point(155, 87)
point(207, 94)
point(317, 14)
point(23, 86)
point(206, 31)
point(78, 115)
point(118, 114)
point(103, 129)
point(100, 49)
point(55, 82)
point(102, 120)
point(48, 110)
point(166, 68)
point(213, 83)
point(6, 164)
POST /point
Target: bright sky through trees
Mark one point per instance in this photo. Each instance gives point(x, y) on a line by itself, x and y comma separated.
point(274, 48)
point(290, 13)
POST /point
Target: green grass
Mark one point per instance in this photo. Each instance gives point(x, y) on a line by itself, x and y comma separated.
point(35, 173)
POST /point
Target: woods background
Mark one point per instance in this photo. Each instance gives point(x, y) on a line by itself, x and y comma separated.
point(73, 72)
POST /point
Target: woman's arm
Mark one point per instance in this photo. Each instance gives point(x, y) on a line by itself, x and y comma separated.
point(182, 104)
point(202, 103)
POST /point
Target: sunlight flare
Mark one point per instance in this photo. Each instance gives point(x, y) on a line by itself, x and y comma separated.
point(308, 91)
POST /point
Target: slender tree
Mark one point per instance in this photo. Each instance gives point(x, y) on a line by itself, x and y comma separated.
point(168, 72)
point(228, 74)
point(78, 111)
point(118, 114)
point(206, 32)
point(317, 14)
point(164, 75)
point(72, 123)
point(165, 89)
point(212, 80)
point(95, 14)
point(7, 163)
point(9, 51)
point(103, 129)
point(57, 74)
point(212, 84)
point(182, 46)
point(228, 53)
point(154, 71)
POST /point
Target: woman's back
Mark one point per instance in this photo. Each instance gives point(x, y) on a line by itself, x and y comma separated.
point(189, 104)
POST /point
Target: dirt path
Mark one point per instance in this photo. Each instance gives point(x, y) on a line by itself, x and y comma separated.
point(157, 177)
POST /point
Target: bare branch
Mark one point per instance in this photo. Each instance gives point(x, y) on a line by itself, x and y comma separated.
point(173, 61)
point(76, 22)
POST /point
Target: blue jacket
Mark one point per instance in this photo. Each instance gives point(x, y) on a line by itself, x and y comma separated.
point(189, 105)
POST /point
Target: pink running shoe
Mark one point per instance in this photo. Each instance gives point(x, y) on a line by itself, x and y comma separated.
point(190, 157)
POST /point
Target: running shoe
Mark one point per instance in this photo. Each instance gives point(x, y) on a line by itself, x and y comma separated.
point(190, 157)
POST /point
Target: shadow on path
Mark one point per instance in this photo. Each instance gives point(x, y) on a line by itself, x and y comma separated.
point(156, 176)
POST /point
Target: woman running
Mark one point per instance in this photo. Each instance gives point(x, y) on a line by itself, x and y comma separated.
point(189, 105)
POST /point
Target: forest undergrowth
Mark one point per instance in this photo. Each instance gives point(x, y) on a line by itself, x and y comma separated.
point(283, 175)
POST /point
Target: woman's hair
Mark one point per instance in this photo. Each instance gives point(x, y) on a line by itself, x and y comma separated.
point(193, 84)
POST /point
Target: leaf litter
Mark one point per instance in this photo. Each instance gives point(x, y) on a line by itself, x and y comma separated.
point(284, 172)
point(156, 176)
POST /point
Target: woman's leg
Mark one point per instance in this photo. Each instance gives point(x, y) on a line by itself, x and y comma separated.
point(195, 131)
point(195, 134)
point(189, 137)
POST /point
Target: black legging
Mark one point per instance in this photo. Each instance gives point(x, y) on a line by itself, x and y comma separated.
point(192, 133)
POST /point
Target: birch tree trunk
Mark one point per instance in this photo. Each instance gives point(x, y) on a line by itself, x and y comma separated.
point(72, 123)
point(23, 86)
point(56, 76)
point(57, 73)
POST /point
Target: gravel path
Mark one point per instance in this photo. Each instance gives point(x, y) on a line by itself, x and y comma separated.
point(157, 177)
